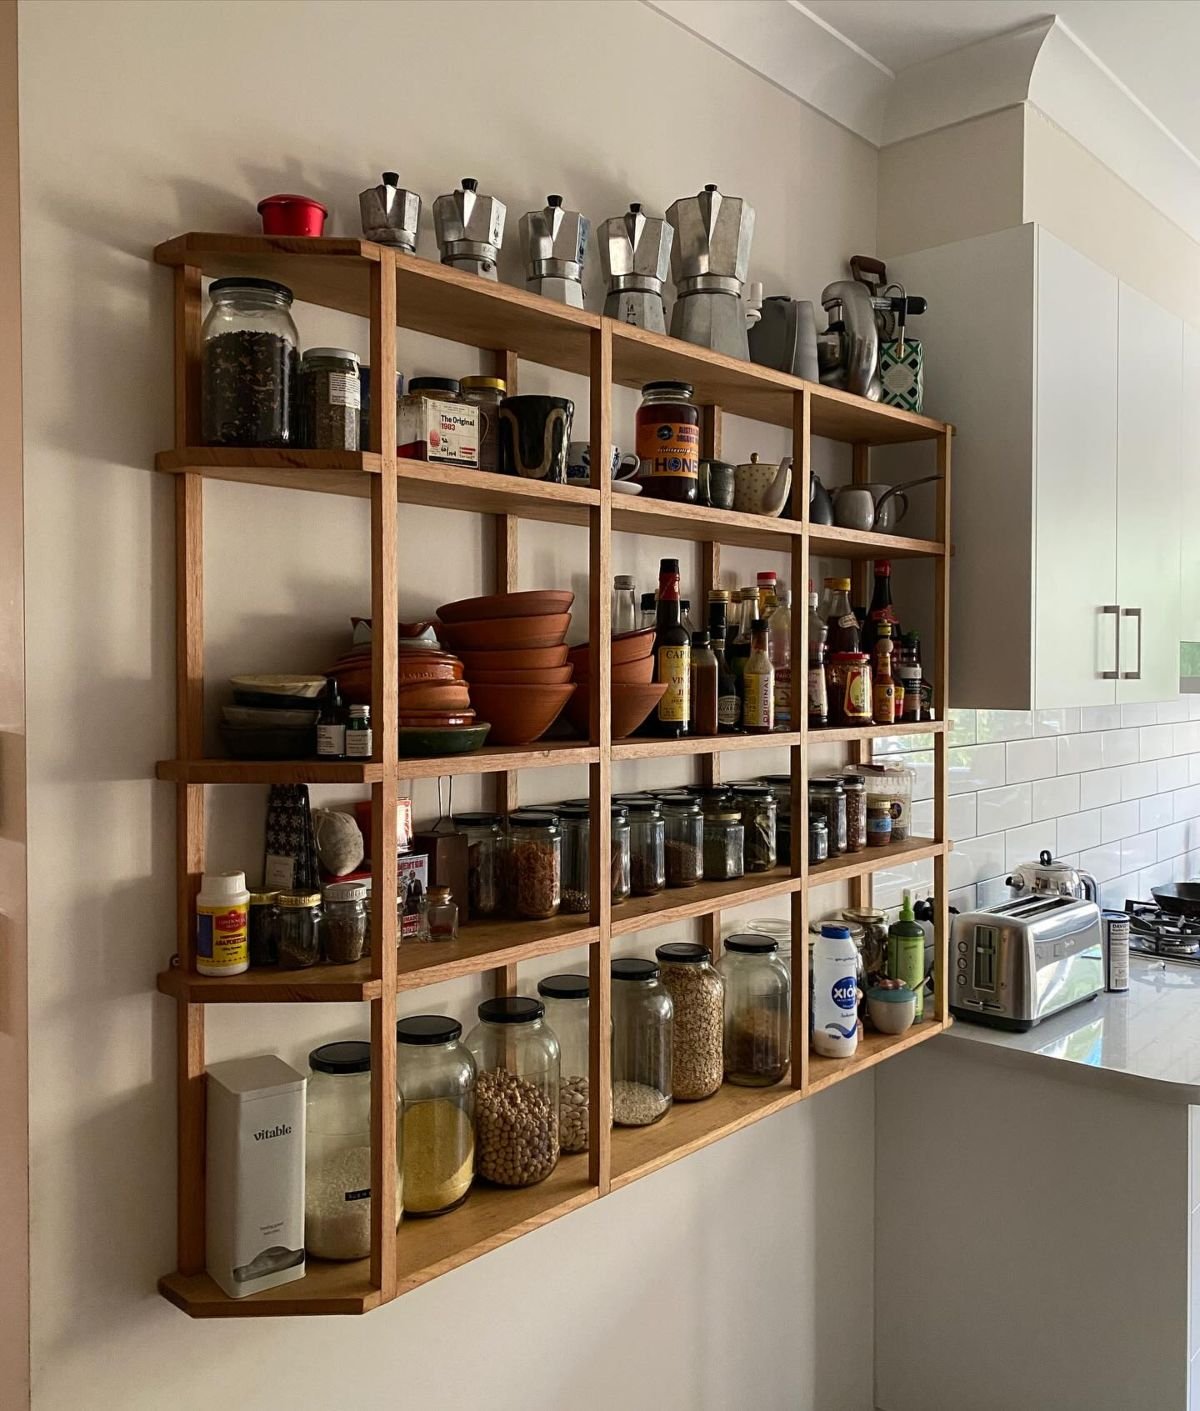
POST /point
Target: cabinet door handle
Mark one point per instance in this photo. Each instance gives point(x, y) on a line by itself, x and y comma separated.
point(1135, 675)
point(1114, 610)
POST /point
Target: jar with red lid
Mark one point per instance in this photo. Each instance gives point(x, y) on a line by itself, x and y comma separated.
point(668, 442)
point(850, 689)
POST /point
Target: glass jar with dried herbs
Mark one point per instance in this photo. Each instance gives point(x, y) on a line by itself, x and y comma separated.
point(250, 365)
point(330, 399)
point(759, 812)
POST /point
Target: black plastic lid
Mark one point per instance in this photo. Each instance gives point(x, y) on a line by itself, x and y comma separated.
point(750, 943)
point(564, 987)
point(683, 953)
point(668, 566)
point(633, 967)
point(477, 819)
point(533, 818)
point(348, 1056)
point(268, 286)
point(511, 1009)
point(434, 384)
point(427, 1029)
point(584, 810)
point(681, 803)
point(685, 389)
point(648, 602)
point(701, 639)
point(825, 782)
point(772, 779)
point(641, 796)
point(642, 805)
point(854, 781)
point(753, 791)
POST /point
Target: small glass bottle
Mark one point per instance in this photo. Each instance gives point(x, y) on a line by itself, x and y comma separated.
point(818, 838)
point(566, 1000)
point(672, 656)
point(697, 1030)
point(758, 699)
point(728, 703)
point(883, 686)
point(346, 923)
point(442, 915)
point(779, 649)
point(331, 724)
point(641, 1043)
point(359, 742)
point(684, 826)
point(758, 1027)
point(909, 678)
point(737, 646)
point(299, 929)
point(516, 1091)
point(647, 612)
point(841, 621)
point(818, 687)
point(624, 605)
point(435, 1079)
point(703, 686)
point(768, 592)
point(647, 843)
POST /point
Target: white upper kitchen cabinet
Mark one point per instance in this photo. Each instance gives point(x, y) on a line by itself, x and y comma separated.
point(1189, 518)
point(1065, 390)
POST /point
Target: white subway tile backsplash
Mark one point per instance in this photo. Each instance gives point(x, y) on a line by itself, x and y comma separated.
point(1003, 808)
point(1099, 787)
point(1030, 759)
point(1024, 844)
point(1194, 769)
point(975, 859)
point(1117, 821)
point(1053, 797)
point(1173, 774)
point(975, 767)
point(922, 817)
point(1171, 711)
point(1100, 717)
point(1139, 851)
point(1057, 722)
point(1078, 831)
point(961, 821)
point(995, 725)
point(1155, 812)
point(1159, 875)
point(1079, 752)
point(962, 727)
point(1114, 894)
point(1185, 739)
point(1139, 715)
point(1104, 863)
point(1138, 780)
point(993, 890)
point(901, 744)
point(1193, 707)
point(922, 768)
point(1172, 841)
point(1119, 747)
point(1156, 741)
point(1186, 803)
point(963, 899)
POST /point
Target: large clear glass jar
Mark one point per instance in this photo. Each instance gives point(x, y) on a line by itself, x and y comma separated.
point(298, 929)
point(435, 1079)
point(647, 843)
point(668, 442)
point(758, 1026)
point(781, 786)
point(759, 810)
point(250, 365)
point(330, 399)
point(485, 845)
point(576, 822)
point(566, 1000)
point(346, 925)
point(827, 798)
point(641, 1043)
point(535, 861)
point(697, 1032)
point(724, 846)
point(337, 1153)
point(516, 1091)
point(684, 825)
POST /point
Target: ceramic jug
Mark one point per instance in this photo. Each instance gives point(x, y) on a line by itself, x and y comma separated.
point(762, 488)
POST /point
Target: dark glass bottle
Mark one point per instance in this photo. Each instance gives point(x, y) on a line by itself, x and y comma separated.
point(728, 705)
point(331, 723)
point(704, 686)
point(843, 634)
point(881, 609)
point(672, 655)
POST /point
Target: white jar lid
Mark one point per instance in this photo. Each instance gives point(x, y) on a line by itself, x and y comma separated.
point(223, 884)
point(345, 354)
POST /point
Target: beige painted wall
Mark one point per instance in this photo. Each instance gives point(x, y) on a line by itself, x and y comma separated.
point(744, 1273)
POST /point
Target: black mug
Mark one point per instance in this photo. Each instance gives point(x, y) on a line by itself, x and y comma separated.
point(535, 432)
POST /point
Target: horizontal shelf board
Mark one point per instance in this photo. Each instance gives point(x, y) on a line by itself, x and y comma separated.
point(703, 744)
point(485, 945)
point(841, 416)
point(542, 754)
point(841, 733)
point(861, 864)
point(828, 541)
point(872, 1049)
point(329, 984)
point(270, 771)
point(326, 1288)
point(684, 903)
point(322, 472)
point(640, 515)
point(455, 487)
point(489, 1217)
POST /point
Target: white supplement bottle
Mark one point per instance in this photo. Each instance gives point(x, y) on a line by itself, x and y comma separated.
point(222, 912)
point(834, 1010)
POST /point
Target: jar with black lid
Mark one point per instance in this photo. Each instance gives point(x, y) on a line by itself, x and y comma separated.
point(576, 823)
point(724, 845)
point(262, 926)
point(827, 798)
point(684, 824)
point(516, 1091)
point(330, 400)
point(435, 1078)
point(758, 809)
point(647, 842)
point(535, 864)
point(781, 786)
point(250, 365)
point(566, 998)
point(641, 1043)
point(668, 442)
point(758, 1028)
point(485, 862)
point(697, 993)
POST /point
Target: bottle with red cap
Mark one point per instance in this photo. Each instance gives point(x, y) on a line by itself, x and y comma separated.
point(881, 609)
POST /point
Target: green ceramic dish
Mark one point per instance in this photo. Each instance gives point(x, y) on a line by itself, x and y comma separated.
point(422, 740)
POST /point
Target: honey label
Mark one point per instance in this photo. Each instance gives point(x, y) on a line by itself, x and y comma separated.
point(674, 667)
point(669, 449)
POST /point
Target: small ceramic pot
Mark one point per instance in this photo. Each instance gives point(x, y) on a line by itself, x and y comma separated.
point(854, 507)
point(535, 432)
point(760, 487)
point(892, 1011)
point(716, 484)
point(292, 215)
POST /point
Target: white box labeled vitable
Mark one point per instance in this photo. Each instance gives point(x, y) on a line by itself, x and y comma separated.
point(255, 1174)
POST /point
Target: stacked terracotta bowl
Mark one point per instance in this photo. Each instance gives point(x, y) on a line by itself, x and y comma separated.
point(512, 646)
point(634, 692)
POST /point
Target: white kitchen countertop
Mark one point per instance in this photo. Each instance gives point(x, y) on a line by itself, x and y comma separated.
point(1146, 1041)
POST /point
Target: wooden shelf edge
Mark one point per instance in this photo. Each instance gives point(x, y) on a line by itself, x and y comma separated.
point(193, 243)
point(842, 734)
point(320, 984)
point(831, 541)
point(283, 771)
point(707, 744)
point(199, 1297)
point(675, 904)
point(862, 864)
point(828, 1072)
point(542, 754)
point(431, 964)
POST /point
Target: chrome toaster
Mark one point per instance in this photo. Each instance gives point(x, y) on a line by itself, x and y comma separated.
point(1015, 964)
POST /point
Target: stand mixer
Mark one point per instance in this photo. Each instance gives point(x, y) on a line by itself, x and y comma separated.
point(635, 255)
point(555, 242)
point(709, 262)
point(470, 229)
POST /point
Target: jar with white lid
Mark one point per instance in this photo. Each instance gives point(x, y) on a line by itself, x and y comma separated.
point(346, 924)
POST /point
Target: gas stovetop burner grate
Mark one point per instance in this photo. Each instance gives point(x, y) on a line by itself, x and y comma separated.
point(1153, 932)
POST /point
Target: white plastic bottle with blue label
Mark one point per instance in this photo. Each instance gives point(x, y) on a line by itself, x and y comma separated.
point(834, 1009)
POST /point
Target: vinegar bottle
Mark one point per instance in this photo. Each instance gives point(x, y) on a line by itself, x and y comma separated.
point(672, 655)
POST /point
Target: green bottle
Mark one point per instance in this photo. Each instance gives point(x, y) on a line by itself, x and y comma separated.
point(906, 953)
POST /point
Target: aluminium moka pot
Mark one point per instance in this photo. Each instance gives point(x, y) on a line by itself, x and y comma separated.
point(470, 229)
point(390, 214)
point(635, 255)
point(710, 259)
point(555, 245)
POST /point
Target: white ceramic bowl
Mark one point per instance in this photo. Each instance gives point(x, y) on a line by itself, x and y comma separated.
point(306, 688)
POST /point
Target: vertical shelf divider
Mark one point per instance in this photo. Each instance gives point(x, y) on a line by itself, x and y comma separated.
point(801, 479)
point(861, 888)
point(941, 741)
point(711, 433)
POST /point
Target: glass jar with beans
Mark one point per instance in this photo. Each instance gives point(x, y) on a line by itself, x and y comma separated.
point(684, 826)
point(697, 1028)
point(855, 788)
point(758, 809)
point(647, 843)
point(641, 1043)
point(566, 1001)
point(250, 365)
point(516, 1091)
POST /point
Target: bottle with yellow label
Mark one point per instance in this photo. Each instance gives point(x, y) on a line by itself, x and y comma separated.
point(222, 914)
point(672, 656)
point(758, 700)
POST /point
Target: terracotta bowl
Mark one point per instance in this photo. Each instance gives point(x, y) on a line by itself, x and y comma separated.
point(631, 704)
point(502, 605)
point(434, 695)
point(631, 673)
point(539, 676)
point(520, 714)
point(437, 717)
point(546, 630)
point(630, 646)
point(515, 659)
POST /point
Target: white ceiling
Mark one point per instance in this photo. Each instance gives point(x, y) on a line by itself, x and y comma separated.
point(1150, 46)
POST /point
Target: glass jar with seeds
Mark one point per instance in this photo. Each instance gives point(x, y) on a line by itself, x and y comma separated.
point(697, 1029)
point(758, 1028)
point(566, 1000)
point(346, 925)
point(249, 365)
point(435, 1079)
point(298, 929)
point(575, 819)
point(647, 840)
point(330, 400)
point(516, 1091)
point(535, 861)
point(641, 1043)
point(685, 841)
point(759, 810)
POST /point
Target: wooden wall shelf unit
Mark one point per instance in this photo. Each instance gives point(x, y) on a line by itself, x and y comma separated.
point(389, 289)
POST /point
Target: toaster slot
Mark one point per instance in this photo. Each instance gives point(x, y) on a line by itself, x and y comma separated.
point(987, 958)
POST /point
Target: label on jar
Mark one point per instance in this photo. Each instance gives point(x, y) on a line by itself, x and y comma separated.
point(855, 705)
point(445, 433)
point(674, 667)
point(758, 711)
point(729, 711)
point(344, 390)
point(222, 942)
point(359, 744)
point(669, 450)
point(331, 741)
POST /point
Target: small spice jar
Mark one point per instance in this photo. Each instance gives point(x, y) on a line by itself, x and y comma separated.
point(330, 400)
point(263, 928)
point(684, 825)
point(641, 1043)
point(441, 915)
point(879, 822)
point(781, 786)
point(855, 787)
point(668, 442)
point(250, 364)
point(758, 1028)
point(724, 845)
point(849, 675)
point(828, 798)
point(818, 838)
point(485, 844)
point(486, 393)
point(872, 945)
point(566, 1000)
point(535, 857)
point(758, 809)
point(346, 926)
point(647, 844)
point(435, 1080)
point(299, 929)
point(697, 1029)
point(516, 1091)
